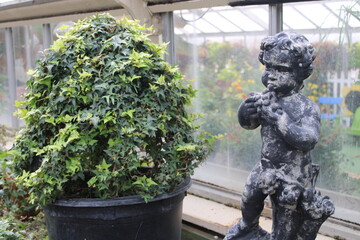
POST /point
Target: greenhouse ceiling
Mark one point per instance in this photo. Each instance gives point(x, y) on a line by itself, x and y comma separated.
point(20, 10)
point(315, 16)
point(203, 17)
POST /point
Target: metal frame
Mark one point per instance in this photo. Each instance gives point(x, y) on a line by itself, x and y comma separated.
point(275, 18)
point(10, 60)
point(47, 35)
point(169, 36)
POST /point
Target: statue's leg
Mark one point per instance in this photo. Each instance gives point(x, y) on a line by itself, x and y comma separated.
point(251, 207)
point(286, 222)
point(287, 217)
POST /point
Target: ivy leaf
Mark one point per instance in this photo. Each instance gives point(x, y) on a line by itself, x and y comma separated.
point(95, 121)
point(46, 80)
point(92, 181)
point(58, 46)
point(187, 147)
point(128, 113)
point(161, 80)
point(50, 120)
point(145, 182)
point(73, 136)
point(63, 27)
point(84, 74)
point(103, 166)
point(73, 165)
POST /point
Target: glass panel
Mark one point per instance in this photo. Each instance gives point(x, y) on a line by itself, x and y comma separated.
point(319, 13)
point(206, 27)
point(225, 69)
point(28, 44)
point(219, 19)
point(5, 3)
point(296, 19)
point(335, 86)
point(239, 18)
point(5, 114)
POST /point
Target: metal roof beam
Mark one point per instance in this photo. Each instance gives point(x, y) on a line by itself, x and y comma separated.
point(56, 19)
point(336, 15)
point(234, 24)
point(213, 25)
point(256, 19)
point(182, 5)
point(226, 34)
point(304, 16)
point(259, 2)
point(53, 8)
point(22, 3)
point(173, 5)
point(265, 33)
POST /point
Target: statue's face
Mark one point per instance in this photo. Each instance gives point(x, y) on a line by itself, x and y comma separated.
point(280, 72)
point(279, 78)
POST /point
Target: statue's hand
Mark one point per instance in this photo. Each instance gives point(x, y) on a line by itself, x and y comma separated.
point(271, 112)
point(253, 106)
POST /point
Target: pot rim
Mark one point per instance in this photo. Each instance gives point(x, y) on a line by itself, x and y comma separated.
point(126, 200)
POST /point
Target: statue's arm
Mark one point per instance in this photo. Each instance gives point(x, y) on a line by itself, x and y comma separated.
point(303, 133)
point(248, 115)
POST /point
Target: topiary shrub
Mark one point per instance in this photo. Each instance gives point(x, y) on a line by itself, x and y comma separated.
point(105, 117)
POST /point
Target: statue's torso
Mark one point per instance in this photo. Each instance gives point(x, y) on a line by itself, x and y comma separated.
point(293, 162)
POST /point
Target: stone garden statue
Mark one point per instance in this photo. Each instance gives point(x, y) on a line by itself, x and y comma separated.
point(290, 124)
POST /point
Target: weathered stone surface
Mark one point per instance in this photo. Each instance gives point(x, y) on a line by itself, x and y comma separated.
point(290, 124)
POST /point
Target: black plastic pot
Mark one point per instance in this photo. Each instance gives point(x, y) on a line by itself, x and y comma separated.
point(127, 218)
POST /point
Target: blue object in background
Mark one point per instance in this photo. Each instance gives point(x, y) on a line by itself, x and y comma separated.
point(329, 101)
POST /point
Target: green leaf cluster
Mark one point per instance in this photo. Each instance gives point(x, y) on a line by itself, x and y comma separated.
point(105, 117)
point(13, 228)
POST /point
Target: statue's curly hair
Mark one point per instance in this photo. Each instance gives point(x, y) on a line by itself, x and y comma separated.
point(300, 50)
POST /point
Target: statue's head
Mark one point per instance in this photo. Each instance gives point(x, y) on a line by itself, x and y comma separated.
point(290, 50)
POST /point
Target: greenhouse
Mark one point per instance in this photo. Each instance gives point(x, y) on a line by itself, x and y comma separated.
point(214, 46)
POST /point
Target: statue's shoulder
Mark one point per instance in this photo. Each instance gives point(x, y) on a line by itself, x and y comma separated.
point(310, 105)
point(304, 99)
point(298, 99)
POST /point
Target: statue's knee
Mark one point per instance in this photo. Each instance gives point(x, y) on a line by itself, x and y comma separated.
point(249, 195)
point(269, 181)
point(289, 196)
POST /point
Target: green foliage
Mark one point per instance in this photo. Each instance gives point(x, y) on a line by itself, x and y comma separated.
point(13, 197)
point(329, 155)
point(14, 207)
point(9, 230)
point(101, 104)
point(329, 57)
point(327, 152)
point(12, 228)
point(3, 90)
point(6, 134)
point(355, 55)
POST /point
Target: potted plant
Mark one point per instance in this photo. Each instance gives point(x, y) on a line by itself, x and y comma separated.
point(108, 146)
